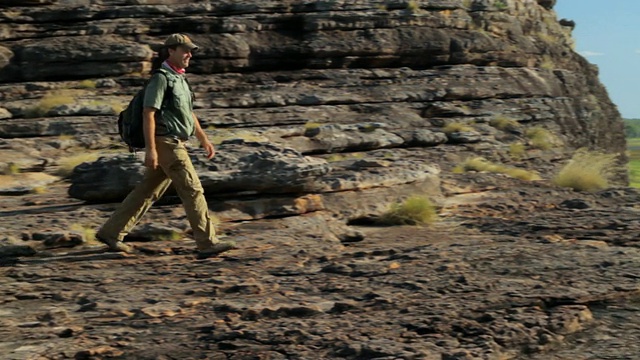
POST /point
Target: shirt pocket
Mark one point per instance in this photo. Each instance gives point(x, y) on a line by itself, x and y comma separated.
point(180, 97)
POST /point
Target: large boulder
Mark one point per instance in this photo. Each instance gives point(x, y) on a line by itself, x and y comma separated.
point(238, 168)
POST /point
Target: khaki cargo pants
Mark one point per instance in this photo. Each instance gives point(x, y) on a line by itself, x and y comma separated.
point(174, 167)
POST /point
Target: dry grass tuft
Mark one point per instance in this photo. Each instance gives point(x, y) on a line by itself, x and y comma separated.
point(222, 135)
point(46, 104)
point(503, 123)
point(516, 150)
point(481, 164)
point(88, 234)
point(587, 171)
point(413, 6)
point(540, 137)
point(311, 125)
point(456, 127)
point(87, 84)
point(416, 210)
point(11, 169)
point(66, 165)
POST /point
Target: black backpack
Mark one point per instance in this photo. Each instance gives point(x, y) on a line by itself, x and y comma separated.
point(130, 119)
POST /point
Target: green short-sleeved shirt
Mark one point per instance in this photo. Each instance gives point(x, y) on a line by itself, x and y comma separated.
point(175, 116)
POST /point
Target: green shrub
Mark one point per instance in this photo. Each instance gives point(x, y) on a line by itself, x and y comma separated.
point(416, 210)
point(587, 171)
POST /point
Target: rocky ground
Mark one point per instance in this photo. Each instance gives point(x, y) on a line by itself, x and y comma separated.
point(512, 270)
point(323, 114)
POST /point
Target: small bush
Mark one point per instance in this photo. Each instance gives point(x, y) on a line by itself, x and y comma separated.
point(416, 210)
point(481, 164)
point(456, 127)
point(516, 150)
point(587, 171)
point(503, 123)
point(540, 137)
point(66, 165)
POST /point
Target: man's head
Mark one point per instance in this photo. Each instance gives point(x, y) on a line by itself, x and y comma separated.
point(180, 48)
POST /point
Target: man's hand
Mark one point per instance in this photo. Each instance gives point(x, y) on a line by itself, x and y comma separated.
point(151, 159)
point(208, 147)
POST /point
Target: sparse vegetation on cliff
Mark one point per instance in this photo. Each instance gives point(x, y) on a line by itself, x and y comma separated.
point(503, 123)
point(416, 210)
point(11, 169)
point(67, 164)
point(46, 104)
point(516, 150)
point(587, 171)
point(456, 127)
point(540, 137)
point(481, 164)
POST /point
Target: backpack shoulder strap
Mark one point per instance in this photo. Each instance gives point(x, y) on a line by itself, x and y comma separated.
point(163, 72)
point(167, 92)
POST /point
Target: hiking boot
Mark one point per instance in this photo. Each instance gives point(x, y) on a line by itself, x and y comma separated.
point(116, 245)
point(215, 249)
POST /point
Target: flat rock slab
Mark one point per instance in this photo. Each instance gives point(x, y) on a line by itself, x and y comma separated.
point(21, 184)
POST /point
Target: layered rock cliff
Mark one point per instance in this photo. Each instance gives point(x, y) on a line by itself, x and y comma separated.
point(436, 81)
point(323, 113)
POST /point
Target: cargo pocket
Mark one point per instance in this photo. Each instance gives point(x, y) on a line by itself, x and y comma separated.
point(184, 176)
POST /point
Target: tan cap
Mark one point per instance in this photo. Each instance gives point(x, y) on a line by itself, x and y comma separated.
point(180, 39)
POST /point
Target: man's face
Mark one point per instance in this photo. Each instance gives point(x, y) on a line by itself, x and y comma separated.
point(180, 56)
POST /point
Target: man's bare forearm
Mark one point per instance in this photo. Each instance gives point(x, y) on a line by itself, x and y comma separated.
point(200, 134)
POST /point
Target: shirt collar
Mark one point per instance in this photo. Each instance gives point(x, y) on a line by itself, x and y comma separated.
point(175, 69)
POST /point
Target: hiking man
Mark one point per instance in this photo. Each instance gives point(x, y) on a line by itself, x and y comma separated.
point(168, 121)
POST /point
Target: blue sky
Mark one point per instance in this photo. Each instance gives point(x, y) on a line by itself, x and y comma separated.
point(607, 33)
